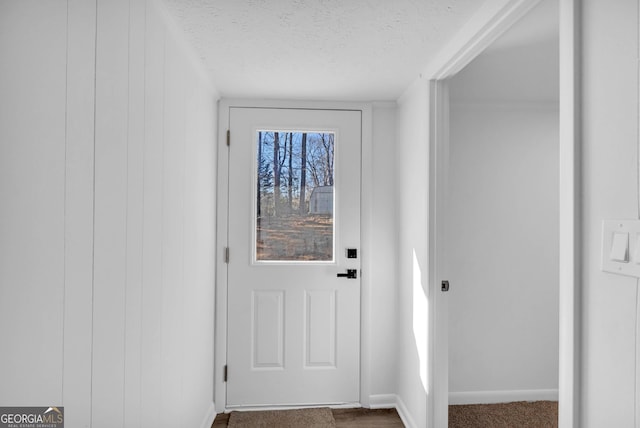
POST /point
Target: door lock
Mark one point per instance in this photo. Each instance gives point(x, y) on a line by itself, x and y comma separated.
point(445, 286)
point(350, 274)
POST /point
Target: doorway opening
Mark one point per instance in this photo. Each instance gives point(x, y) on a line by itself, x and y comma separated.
point(503, 223)
point(448, 156)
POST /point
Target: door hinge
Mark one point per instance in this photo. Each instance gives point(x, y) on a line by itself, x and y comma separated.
point(224, 373)
point(226, 254)
point(228, 137)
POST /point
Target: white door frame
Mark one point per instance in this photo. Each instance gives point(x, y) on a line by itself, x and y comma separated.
point(220, 351)
point(494, 18)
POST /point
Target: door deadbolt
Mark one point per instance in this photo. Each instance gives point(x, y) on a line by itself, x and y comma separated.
point(445, 285)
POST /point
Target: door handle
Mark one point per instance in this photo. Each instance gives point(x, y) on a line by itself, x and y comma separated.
point(350, 274)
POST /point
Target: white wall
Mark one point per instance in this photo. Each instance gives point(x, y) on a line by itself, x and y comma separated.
point(609, 162)
point(502, 242)
point(417, 342)
point(610, 191)
point(412, 169)
point(383, 258)
point(107, 239)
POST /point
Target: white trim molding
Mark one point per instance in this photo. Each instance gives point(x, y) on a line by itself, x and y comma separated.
point(404, 414)
point(493, 18)
point(570, 215)
point(209, 417)
point(383, 401)
point(491, 397)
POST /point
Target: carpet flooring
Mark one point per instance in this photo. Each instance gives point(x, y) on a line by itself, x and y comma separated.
point(537, 414)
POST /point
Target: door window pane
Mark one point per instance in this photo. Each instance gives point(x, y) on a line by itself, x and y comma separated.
point(294, 196)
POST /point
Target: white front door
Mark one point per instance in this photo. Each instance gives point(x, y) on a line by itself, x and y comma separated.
point(294, 212)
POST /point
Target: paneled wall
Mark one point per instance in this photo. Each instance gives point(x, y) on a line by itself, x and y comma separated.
point(107, 133)
point(32, 201)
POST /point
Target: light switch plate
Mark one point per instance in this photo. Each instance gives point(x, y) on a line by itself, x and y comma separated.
point(612, 228)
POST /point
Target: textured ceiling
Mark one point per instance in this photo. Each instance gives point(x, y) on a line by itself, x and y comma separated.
point(318, 49)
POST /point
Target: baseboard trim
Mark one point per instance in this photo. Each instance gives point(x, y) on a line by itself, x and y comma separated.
point(209, 416)
point(489, 397)
point(382, 401)
point(407, 420)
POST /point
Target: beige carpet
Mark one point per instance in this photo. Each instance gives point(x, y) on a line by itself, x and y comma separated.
point(312, 418)
point(537, 414)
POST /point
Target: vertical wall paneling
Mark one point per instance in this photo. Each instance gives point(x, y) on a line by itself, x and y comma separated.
point(79, 212)
point(32, 191)
point(189, 227)
point(135, 193)
point(107, 183)
point(199, 239)
point(205, 161)
point(191, 297)
point(198, 117)
point(110, 228)
point(173, 230)
point(151, 370)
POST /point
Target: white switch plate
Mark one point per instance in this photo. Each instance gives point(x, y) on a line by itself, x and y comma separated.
point(609, 229)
